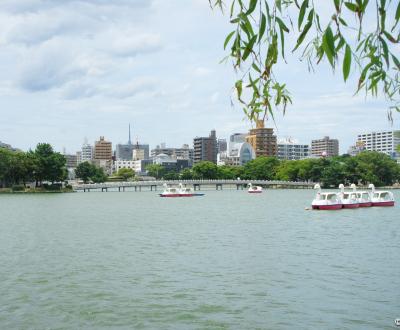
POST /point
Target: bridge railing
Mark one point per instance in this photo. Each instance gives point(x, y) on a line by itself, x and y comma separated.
point(176, 182)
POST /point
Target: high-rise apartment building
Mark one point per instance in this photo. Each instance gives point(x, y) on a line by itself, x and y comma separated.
point(102, 149)
point(383, 141)
point(205, 148)
point(86, 153)
point(290, 150)
point(222, 145)
point(325, 147)
point(262, 140)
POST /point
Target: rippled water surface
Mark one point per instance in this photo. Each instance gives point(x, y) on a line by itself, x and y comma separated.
point(227, 260)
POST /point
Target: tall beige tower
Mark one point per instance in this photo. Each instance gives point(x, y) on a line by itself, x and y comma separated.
point(262, 140)
point(102, 149)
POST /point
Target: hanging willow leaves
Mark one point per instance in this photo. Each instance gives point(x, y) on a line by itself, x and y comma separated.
point(255, 48)
point(347, 63)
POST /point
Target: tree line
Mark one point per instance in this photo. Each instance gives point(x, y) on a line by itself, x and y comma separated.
point(366, 167)
point(39, 165)
point(45, 165)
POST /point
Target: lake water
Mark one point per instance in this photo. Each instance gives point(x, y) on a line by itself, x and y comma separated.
point(227, 260)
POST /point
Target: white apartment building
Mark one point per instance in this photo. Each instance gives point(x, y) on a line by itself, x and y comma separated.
point(291, 150)
point(118, 164)
point(383, 141)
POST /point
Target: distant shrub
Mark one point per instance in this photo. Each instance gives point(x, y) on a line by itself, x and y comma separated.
point(52, 187)
point(18, 187)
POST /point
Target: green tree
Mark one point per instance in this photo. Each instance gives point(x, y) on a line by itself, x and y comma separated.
point(205, 170)
point(377, 168)
point(85, 171)
point(226, 172)
point(261, 168)
point(259, 42)
point(5, 161)
point(186, 174)
point(126, 173)
point(49, 165)
point(99, 175)
point(156, 170)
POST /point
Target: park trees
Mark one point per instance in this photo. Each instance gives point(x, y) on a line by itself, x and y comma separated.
point(126, 173)
point(205, 170)
point(90, 172)
point(261, 168)
point(350, 35)
point(156, 170)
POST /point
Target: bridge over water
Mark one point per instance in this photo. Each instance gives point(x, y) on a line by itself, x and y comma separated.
point(196, 184)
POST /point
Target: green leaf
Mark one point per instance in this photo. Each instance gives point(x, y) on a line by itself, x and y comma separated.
point(239, 88)
point(390, 37)
point(337, 5)
point(347, 63)
point(228, 38)
point(328, 45)
point(282, 27)
point(263, 25)
point(396, 61)
point(341, 20)
point(385, 50)
point(255, 67)
point(303, 35)
point(397, 16)
point(303, 8)
point(351, 6)
point(279, 5)
point(249, 48)
point(252, 6)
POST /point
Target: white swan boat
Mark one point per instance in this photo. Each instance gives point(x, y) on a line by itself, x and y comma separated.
point(381, 198)
point(178, 192)
point(364, 198)
point(326, 200)
point(254, 189)
point(350, 199)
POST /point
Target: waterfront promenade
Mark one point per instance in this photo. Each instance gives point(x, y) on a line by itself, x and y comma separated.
point(196, 184)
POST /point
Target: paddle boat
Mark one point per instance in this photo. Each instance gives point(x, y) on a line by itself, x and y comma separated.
point(364, 198)
point(349, 199)
point(254, 189)
point(178, 192)
point(326, 200)
point(381, 198)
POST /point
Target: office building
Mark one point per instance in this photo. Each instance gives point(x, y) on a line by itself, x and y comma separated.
point(86, 152)
point(239, 153)
point(357, 148)
point(238, 137)
point(178, 153)
point(262, 140)
point(103, 155)
point(288, 149)
point(222, 145)
point(325, 147)
point(205, 148)
point(382, 141)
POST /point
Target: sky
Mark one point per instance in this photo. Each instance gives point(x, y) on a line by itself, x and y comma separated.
point(76, 69)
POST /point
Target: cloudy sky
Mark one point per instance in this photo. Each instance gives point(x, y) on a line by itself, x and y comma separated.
point(71, 69)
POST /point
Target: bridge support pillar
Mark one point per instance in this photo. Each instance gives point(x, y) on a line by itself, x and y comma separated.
point(239, 186)
point(218, 186)
point(119, 189)
point(196, 186)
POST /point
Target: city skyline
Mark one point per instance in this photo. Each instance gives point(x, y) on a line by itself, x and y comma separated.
point(74, 69)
